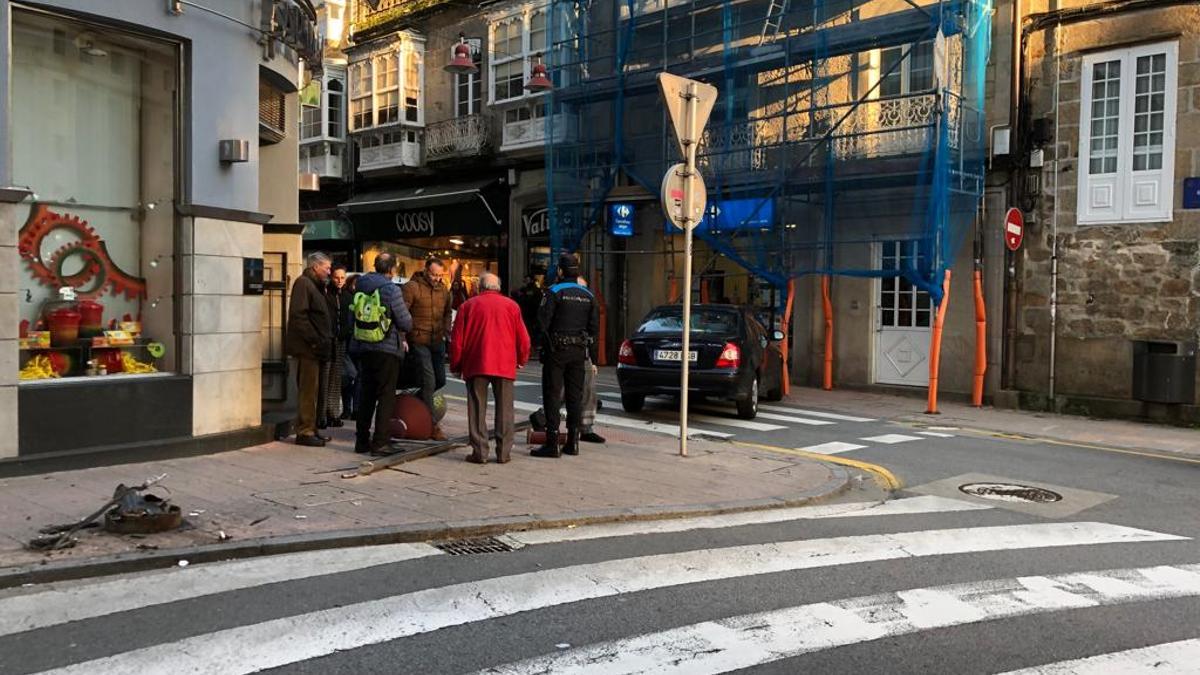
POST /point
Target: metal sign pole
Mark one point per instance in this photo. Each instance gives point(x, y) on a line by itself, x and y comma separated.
point(685, 354)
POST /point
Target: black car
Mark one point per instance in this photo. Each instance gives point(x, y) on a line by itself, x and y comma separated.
point(733, 357)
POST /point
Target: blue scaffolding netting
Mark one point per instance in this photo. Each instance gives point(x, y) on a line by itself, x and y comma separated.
point(839, 124)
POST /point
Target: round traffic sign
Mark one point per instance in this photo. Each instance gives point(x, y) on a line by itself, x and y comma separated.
point(673, 192)
point(1014, 229)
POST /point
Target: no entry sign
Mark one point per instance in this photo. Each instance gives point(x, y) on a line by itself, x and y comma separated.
point(1014, 229)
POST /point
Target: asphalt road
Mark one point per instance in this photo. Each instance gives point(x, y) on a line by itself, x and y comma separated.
point(1105, 579)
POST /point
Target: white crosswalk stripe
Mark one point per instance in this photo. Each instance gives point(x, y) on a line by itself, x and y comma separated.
point(777, 417)
point(895, 507)
point(291, 639)
point(76, 602)
point(754, 639)
point(815, 413)
point(891, 439)
point(935, 434)
point(1165, 659)
point(833, 447)
point(628, 422)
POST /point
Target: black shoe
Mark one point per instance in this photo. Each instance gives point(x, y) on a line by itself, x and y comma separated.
point(324, 439)
point(336, 422)
point(537, 420)
point(549, 448)
point(572, 446)
point(310, 441)
point(591, 437)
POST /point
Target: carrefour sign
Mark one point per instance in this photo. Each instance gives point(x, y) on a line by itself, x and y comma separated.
point(731, 215)
point(620, 219)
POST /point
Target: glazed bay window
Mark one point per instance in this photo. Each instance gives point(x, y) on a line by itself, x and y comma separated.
point(1127, 135)
point(335, 98)
point(310, 111)
point(386, 87)
point(97, 109)
point(518, 40)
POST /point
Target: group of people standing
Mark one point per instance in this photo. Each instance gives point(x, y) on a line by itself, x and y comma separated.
point(352, 340)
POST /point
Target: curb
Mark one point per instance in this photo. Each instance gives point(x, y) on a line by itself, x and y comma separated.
point(123, 563)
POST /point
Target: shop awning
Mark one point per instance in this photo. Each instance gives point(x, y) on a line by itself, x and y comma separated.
point(470, 208)
point(416, 197)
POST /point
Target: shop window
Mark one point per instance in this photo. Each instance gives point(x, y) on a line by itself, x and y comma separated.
point(97, 147)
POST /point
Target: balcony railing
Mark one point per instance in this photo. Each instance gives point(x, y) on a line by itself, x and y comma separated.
point(532, 132)
point(323, 158)
point(467, 136)
point(400, 148)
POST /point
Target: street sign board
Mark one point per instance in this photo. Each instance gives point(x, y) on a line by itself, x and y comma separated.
point(673, 193)
point(675, 90)
point(620, 219)
point(740, 215)
point(1014, 229)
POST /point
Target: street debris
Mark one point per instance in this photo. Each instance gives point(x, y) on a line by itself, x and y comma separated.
point(182, 563)
point(129, 502)
point(258, 520)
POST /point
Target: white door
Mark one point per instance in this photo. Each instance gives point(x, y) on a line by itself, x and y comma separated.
point(903, 320)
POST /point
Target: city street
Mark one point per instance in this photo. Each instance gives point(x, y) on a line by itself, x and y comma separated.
point(1105, 579)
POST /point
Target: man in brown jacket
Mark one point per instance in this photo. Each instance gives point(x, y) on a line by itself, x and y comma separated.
point(428, 301)
point(310, 340)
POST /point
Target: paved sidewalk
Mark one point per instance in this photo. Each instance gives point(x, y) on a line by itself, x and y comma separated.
point(283, 492)
point(1063, 428)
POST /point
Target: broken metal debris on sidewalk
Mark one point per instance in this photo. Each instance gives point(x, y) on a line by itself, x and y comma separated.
point(132, 510)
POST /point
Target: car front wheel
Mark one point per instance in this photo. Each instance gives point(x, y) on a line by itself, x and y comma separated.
point(747, 408)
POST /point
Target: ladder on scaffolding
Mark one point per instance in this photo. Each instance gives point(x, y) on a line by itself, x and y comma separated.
point(774, 22)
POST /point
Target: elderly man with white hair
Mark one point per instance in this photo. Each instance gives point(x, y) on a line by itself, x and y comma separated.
point(309, 340)
point(487, 345)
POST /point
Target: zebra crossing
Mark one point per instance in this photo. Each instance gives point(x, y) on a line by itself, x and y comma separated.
point(813, 562)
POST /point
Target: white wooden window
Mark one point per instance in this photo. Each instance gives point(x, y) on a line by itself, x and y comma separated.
point(362, 112)
point(913, 75)
point(412, 86)
point(1127, 135)
point(517, 42)
point(387, 89)
point(468, 87)
point(335, 97)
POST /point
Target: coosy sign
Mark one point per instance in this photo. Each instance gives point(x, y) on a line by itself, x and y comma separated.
point(414, 223)
point(620, 219)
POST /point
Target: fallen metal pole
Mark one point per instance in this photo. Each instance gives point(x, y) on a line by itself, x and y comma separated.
point(370, 466)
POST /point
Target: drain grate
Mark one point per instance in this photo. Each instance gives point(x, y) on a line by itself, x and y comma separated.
point(476, 546)
point(1010, 492)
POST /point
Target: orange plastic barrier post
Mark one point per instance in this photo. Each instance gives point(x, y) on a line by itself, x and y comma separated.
point(980, 341)
point(673, 291)
point(827, 380)
point(703, 291)
point(935, 347)
point(787, 329)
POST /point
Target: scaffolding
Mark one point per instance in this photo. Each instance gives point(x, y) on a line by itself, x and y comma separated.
point(840, 124)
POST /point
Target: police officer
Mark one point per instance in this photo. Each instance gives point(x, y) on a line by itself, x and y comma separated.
point(569, 322)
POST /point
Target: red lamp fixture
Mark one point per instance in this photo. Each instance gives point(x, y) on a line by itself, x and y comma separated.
point(539, 81)
point(462, 63)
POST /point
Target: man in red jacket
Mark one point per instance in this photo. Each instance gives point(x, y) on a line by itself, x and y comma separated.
point(489, 342)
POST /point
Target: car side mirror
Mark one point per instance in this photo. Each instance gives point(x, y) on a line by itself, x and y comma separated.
point(778, 336)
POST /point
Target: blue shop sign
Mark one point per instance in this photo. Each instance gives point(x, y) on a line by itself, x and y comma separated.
point(620, 219)
point(736, 215)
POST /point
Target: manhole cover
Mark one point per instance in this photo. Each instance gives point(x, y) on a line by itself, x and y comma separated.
point(1010, 492)
point(475, 546)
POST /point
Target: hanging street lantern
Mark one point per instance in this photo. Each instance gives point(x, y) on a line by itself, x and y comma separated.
point(539, 81)
point(462, 63)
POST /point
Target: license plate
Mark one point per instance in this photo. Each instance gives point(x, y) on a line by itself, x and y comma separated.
point(674, 355)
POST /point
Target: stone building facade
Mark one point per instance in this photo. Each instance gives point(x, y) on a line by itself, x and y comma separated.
point(1113, 110)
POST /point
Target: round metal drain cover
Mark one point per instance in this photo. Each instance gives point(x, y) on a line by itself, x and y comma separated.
point(1010, 492)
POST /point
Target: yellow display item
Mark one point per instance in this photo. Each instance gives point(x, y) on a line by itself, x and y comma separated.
point(132, 365)
point(38, 368)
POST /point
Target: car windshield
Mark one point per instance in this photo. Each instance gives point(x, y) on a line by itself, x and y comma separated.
point(705, 321)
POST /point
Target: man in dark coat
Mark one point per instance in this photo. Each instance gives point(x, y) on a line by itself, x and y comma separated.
point(310, 341)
